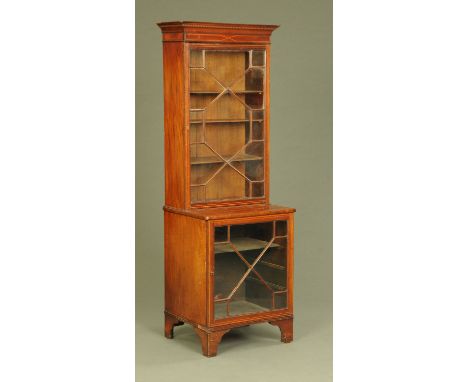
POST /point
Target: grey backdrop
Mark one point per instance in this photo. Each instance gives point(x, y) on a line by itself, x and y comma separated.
point(301, 177)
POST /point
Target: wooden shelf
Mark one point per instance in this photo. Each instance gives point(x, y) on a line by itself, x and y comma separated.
point(272, 265)
point(242, 244)
point(219, 92)
point(199, 121)
point(216, 159)
point(237, 308)
point(274, 286)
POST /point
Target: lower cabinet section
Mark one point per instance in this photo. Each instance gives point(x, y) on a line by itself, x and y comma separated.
point(223, 272)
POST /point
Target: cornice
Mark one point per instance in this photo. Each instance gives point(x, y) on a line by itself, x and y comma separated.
point(173, 25)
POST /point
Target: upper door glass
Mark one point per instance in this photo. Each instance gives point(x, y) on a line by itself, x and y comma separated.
point(227, 132)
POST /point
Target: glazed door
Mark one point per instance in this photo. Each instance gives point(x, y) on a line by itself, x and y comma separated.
point(227, 124)
point(251, 268)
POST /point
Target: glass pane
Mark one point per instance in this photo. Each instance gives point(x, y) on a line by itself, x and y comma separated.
point(252, 81)
point(221, 234)
point(227, 184)
point(197, 133)
point(227, 66)
point(202, 81)
point(196, 58)
point(226, 107)
point(201, 153)
point(226, 115)
point(250, 268)
point(258, 188)
point(258, 58)
point(257, 131)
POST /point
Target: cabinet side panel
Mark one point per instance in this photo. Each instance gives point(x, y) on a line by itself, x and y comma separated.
point(174, 131)
point(291, 263)
point(185, 260)
point(267, 125)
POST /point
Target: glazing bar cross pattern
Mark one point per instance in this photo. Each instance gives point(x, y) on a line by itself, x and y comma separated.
point(227, 124)
point(250, 268)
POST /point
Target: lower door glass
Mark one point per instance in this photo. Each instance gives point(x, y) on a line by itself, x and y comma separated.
point(250, 268)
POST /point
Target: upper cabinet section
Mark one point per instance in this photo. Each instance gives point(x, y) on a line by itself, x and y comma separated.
point(191, 31)
point(227, 145)
point(216, 114)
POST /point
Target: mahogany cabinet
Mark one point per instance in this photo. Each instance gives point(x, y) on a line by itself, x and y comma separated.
point(228, 252)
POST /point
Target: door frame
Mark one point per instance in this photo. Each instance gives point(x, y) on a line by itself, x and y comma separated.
point(253, 317)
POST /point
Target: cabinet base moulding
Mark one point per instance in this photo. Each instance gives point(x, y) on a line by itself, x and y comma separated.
point(169, 322)
point(210, 338)
point(286, 328)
